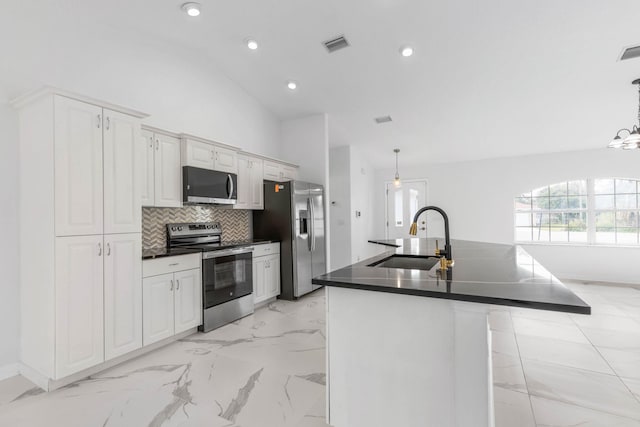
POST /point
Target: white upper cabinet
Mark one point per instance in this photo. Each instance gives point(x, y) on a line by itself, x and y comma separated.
point(243, 182)
point(199, 154)
point(122, 294)
point(250, 183)
point(167, 172)
point(225, 160)
point(257, 185)
point(78, 168)
point(289, 173)
point(97, 177)
point(147, 145)
point(122, 200)
point(274, 171)
point(79, 342)
point(207, 155)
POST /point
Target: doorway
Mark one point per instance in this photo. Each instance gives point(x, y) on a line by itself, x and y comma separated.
point(402, 203)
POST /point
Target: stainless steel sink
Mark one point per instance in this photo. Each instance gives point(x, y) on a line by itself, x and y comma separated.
point(407, 262)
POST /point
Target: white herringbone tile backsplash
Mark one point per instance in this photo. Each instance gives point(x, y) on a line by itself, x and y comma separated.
point(234, 223)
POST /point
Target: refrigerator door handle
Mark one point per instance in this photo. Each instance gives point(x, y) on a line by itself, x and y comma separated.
point(312, 226)
point(309, 225)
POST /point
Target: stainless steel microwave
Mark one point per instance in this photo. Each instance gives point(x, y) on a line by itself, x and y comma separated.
point(204, 186)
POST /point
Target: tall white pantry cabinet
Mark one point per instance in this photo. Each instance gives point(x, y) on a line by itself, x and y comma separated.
point(80, 233)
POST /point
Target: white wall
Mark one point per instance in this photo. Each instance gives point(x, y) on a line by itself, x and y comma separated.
point(352, 191)
point(181, 91)
point(9, 262)
point(362, 200)
point(305, 142)
point(478, 197)
point(340, 206)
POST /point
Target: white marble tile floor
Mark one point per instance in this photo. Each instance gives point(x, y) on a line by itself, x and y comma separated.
point(268, 370)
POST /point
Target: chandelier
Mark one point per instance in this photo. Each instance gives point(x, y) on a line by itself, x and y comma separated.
point(632, 139)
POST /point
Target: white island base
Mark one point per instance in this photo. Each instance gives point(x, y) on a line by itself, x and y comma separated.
point(403, 360)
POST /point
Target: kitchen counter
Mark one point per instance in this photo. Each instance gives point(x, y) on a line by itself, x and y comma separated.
point(425, 361)
point(152, 253)
point(483, 273)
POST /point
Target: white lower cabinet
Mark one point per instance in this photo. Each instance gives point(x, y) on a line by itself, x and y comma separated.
point(122, 294)
point(172, 300)
point(266, 272)
point(79, 342)
point(98, 300)
point(158, 308)
point(187, 301)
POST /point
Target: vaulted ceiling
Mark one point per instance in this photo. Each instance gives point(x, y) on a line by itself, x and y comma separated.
point(489, 78)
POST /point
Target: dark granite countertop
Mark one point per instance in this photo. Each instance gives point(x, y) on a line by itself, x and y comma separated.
point(487, 273)
point(152, 253)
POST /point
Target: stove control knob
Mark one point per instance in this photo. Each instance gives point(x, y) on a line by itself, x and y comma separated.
point(173, 229)
point(180, 228)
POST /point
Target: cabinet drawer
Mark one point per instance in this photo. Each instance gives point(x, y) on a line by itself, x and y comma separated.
point(170, 264)
point(266, 249)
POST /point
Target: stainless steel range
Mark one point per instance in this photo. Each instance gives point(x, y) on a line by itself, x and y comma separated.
point(227, 281)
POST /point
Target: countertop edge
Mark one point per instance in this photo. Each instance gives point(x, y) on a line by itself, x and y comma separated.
point(189, 251)
point(457, 297)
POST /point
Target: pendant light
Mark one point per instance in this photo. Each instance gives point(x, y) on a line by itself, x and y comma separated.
point(396, 180)
point(632, 140)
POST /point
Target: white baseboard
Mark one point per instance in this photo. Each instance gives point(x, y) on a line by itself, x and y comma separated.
point(48, 384)
point(34, 376)
point(9, 370)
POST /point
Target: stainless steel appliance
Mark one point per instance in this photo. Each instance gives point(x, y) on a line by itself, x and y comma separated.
point(204, 186)
point(227, 280)
point(294, 214)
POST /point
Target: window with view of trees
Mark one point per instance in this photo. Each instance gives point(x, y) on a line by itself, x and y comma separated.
point(598, 211)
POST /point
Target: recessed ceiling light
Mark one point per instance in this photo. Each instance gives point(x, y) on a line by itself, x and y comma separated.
point(292, 85)
point(192, 9)
point(252, 44)
point(406, 51)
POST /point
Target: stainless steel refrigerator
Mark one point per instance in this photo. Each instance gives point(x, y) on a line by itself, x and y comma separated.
point(294, 214)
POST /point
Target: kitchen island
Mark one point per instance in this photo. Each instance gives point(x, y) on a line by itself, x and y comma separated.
point(412, 347)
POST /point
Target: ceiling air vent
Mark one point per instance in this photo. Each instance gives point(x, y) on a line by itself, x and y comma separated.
point(383, 119)
point(336, 44)
point(630, 52)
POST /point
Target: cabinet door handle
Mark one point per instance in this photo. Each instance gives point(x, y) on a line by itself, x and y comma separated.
point(108, 123)
point(174, 264)
point(157, 144)
point(151, 142)
point(108, 249)
point(98, 121)
point(177, 285)
point(211, 154)
point(99, 249)
point(171, 289)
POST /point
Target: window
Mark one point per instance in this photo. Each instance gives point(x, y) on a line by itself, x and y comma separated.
point(616, 211)
point(598, 211)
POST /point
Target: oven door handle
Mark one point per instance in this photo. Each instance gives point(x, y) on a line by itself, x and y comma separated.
point(217, 254)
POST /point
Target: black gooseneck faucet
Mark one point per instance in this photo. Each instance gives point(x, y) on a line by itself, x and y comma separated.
point(447, 246)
